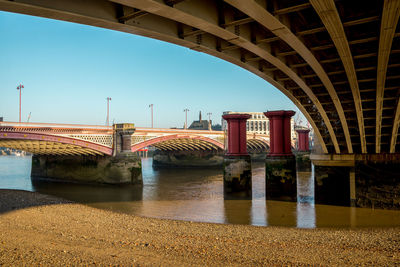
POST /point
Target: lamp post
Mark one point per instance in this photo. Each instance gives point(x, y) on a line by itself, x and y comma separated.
point(186, 111)
point(209, 121)
point(151, 106)
point(108, 110)
point(209, 116)
point(20, 92)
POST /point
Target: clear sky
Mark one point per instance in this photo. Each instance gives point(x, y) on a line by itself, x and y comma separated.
point(69, 70)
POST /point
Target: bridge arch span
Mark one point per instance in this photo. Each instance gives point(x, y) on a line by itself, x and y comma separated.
point(257, 144)
point(38, 143)
point(202, 139)
point(335, 61)
point(186, 27)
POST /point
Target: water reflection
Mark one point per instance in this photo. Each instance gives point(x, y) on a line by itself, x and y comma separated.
point(281, 213)
point(238, 211)
point(197, 195)
point(305, 215)
point(86, 193)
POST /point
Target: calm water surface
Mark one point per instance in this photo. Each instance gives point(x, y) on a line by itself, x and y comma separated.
point(197, 195)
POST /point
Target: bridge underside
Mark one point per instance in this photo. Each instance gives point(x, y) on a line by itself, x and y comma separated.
point(185, 144)
point(48, 148)
point(336, 60)
point(50, 144)
point(257, 146)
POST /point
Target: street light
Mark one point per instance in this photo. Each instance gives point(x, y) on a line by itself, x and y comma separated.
point(209, 116)
point(186, 111)
point(108, 110)
point(151, 106)
point(20, 92)
point(209, 121)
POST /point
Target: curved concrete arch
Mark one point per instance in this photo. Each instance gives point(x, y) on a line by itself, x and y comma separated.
point(160, 139)
point(269, 21)
point(395, 129)
point(326, 10)
point(211, 26)
point(105, 17)
point(390, 18)
point(89, 146)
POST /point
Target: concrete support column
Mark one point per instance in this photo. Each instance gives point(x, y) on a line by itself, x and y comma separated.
point(237, 162)
point(332, 185)
point(361, 180)
point(303, 140)
point(353, 199)
point(280, 163)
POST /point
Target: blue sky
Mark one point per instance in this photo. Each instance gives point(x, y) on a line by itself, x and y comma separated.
point(69, 70)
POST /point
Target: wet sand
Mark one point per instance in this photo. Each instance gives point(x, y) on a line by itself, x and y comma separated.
point(37, 229)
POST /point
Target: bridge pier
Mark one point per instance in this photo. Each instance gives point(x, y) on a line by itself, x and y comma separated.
point(188, 158)
point(361, 180)
point(332, 185)
point(124, 167)
point(237, 162)
point(280, 163)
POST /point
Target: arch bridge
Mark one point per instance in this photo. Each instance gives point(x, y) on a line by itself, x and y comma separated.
point(73, 139)
point(336, 60)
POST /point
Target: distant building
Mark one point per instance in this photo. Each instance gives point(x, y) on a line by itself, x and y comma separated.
point(257, 123)
point(216, 127)
point(200, 124)
point(1, 118)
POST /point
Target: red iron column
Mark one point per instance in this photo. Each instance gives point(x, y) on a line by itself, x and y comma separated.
point(237, 143)
point(237, 162)
point(280, 163)
point(302, 140)
point(280, 132)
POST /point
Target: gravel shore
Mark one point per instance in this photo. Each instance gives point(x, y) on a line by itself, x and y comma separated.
point(37, 229)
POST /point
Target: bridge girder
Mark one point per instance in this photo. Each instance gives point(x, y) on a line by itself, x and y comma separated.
point(48, 148)
point(180, 142)
point(257, 144)
point(45, 144)
point(330, 58)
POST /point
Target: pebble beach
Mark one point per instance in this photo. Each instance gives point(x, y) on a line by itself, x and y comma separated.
point(39, 229)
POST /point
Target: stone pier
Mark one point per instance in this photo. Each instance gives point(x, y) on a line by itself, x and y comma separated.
point(188, 158)
point(124, 167)
point(280, 163)
point(361, 180)
point(332, 185)
point(237, 162)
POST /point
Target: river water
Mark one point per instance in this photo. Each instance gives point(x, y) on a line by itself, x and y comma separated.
point(197, 195)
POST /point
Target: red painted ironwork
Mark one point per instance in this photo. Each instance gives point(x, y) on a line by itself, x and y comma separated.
point(303, 140)
point(56, 139)
point(280, 132)
point(237, 145)
point(156, 140)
